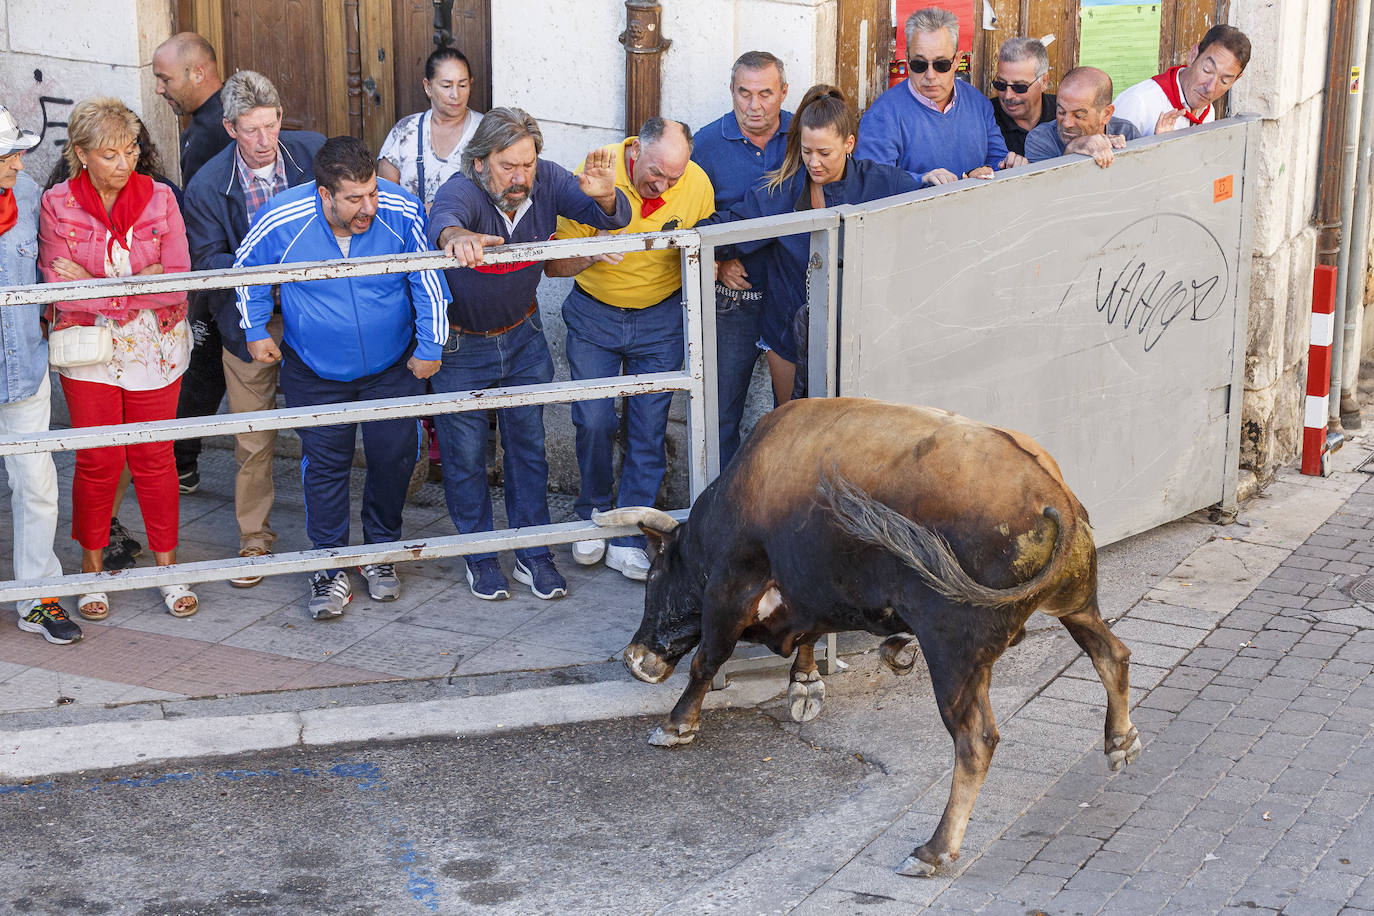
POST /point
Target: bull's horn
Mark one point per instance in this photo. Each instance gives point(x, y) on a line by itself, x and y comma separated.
point(647, 516)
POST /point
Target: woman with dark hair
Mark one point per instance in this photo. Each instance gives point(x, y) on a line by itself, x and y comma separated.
point(818, 170)
point(424, 149)
point(110, 220)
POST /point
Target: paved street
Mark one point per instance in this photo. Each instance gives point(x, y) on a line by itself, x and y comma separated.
point(529, 786)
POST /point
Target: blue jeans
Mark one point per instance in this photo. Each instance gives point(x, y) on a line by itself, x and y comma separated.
point(390, 446)
point(518, 357)
point(603, 340)
point(739, 324)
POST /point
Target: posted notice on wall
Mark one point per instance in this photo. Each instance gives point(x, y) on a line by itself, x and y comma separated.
point(1121, 38)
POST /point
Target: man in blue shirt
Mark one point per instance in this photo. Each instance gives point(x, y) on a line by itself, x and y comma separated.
point(735, 151)
point(506, 193)
point(936, 127)
point(347, 339)
point(1083, 121)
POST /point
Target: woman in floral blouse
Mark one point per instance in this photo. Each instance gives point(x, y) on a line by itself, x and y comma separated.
point(111, 221)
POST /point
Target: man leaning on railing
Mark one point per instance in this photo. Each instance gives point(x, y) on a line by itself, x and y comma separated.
point(347, 339)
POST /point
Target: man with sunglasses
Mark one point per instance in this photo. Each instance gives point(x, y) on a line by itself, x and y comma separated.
point(935, 127)
point(1083, 121)
point(1021, 101)
point(1185, 95)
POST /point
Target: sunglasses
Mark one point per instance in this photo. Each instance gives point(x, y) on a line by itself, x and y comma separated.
point(941, 65)
point(1018, 88)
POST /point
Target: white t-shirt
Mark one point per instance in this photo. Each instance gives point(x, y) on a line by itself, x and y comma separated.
point(399, 150)
point(1143, 103)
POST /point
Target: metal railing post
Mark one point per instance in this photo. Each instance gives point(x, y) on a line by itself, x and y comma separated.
point(701, 405)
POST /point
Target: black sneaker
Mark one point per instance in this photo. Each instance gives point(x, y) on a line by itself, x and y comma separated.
point(188, 481)
point(486, 580)
point(48, 618)
point(122, 550)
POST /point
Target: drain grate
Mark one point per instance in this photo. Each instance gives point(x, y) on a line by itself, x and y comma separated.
point(1361, 588)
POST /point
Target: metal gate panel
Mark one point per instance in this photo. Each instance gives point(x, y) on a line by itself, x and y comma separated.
point(1102, 311)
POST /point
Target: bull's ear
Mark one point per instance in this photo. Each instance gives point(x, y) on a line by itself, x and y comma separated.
point(658, 540)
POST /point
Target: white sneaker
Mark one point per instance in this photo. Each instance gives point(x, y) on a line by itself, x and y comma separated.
point(588, 553)
point(631, 562)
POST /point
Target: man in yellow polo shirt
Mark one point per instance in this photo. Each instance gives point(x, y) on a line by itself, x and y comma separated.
point(625, 315)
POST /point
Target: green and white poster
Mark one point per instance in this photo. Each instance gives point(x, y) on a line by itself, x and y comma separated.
point(1121, 38)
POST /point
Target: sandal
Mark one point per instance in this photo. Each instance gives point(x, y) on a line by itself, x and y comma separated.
point(171, 594)
point(90, 600)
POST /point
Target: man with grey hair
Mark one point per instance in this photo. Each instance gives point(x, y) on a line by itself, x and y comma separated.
point(1023, 66)
point(220, 204)
point(505, 193)
point(936, 127)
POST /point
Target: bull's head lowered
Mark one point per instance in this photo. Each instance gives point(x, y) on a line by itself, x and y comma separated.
point(672, 599)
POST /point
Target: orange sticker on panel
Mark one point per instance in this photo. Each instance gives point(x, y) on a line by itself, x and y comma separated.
point(1222, 188)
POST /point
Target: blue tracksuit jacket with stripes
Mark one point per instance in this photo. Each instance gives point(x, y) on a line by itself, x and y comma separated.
point(346, 328)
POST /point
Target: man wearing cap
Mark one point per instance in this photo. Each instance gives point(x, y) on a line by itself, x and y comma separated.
point(24, 389)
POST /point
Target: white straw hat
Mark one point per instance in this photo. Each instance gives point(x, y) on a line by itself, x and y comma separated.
point(12, 137)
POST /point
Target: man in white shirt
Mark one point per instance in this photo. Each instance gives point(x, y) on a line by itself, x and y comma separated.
point(1183, 96)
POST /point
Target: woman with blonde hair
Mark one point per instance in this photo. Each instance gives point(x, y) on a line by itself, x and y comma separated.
point(818, 170)
point(109, 220)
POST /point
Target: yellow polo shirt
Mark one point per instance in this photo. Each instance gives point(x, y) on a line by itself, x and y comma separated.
point(644, 277)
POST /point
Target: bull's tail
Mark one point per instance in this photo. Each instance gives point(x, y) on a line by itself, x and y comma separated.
point(925, 551)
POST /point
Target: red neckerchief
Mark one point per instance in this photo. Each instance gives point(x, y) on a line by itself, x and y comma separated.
point(1168, 81)
point(647, 205)
point(128, 206)
point(9, 211)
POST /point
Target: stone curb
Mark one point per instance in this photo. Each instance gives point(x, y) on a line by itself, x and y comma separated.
point(40, 752)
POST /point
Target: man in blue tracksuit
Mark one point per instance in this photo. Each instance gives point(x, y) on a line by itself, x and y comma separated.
point(347, 339)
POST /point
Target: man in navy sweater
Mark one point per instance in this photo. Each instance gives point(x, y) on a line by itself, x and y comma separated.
point(506, 193)
point(347, 339)
point(936, 127)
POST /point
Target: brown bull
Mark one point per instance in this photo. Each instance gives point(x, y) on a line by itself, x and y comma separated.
point(907, 522)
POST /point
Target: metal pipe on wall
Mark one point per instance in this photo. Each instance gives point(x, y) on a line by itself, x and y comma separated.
point(1333, 126)
point(1359, 37)
point(1357, 264)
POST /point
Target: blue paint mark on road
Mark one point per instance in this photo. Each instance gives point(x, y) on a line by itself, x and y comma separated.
point(420, 885)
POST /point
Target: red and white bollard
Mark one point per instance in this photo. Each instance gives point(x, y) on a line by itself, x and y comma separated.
point(1314, 446)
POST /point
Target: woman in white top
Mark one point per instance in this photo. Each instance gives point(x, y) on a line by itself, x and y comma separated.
point(424, 149)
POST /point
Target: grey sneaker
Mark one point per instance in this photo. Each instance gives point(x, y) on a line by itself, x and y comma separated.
point(382, 583)
point(328, 596)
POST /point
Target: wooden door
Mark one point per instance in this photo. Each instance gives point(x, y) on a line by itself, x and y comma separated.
point(863, 49)
point(472, 35)
point(283, 41)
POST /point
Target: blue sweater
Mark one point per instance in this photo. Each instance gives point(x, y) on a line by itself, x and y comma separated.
point(785, 258)
point(898, 130)
point(346, 328)
point(498, 295)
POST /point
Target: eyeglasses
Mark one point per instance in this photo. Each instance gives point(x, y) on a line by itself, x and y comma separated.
point(1018, 88)
point(941, 65)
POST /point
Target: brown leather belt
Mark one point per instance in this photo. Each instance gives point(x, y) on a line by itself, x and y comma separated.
point(495, 332)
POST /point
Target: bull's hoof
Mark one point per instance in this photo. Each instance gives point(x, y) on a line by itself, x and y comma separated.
point(672, 736)
point(1123, 749)
point(806, 695)
point(917, 867)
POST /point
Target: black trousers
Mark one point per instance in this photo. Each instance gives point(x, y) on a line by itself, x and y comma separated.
point(202, 385)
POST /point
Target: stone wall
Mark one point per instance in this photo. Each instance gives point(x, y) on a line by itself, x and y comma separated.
point(54, 53)
point(578, 96)
point(1284, 85)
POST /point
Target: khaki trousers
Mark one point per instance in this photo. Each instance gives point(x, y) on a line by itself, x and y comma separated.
point(253, 386)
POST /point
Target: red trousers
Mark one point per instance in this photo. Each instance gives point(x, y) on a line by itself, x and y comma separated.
point(98, 469)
